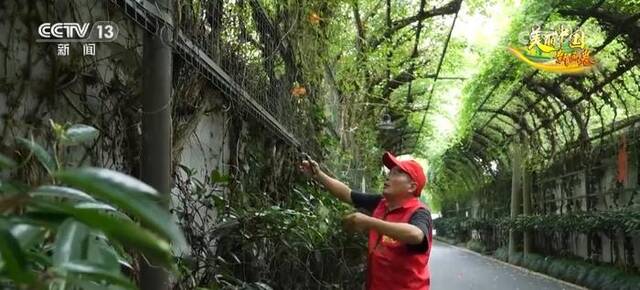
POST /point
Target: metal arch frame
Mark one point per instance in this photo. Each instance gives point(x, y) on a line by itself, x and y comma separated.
point(458, 174)
point(471, 171)
point(465, 163)
point(539, 100)
point(552, 102)
point(484, 153)
point(533, 73)
point(522, 123)
point(490, 93)
point(555, 92)
point(485, 162)
point(568, 104)
point(497, 129)
point(544, 119)
point(612, 76)
point(483, 150)
point(534, 113)
point(486, 147)
point(484, 139)
point(476, 149)
point(562, 79)
point(437, 74)
point(558, 81)
point(453, 173)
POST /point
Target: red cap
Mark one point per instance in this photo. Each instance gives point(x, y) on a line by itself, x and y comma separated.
point(410, 167)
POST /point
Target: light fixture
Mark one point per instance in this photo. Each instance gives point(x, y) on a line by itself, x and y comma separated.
point(385, 123)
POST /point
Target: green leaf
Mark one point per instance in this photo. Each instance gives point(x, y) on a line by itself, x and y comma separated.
point(48, 220)
point(70, 242)
point(27, 235)
point(114, 249)
point(86, 201)
point(39, 259)
point(96, 271)
point(61, 191)
point(58, 129)
point(102, 206)
point(217, 177)
point(6, 162)
point(128, 233)
point(186, 170)
point(98, 205)
point(103, 254)
point(129, 194)
point(100, 180)
point(13, 187)
point(124, 231)
point(13, 257)
point(83, 284)
point(78, 134)
point(43, 156)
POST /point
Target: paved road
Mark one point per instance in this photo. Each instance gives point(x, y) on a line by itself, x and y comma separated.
point(454, 269)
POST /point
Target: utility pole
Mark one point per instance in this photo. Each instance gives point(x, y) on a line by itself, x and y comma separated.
point(155, 167)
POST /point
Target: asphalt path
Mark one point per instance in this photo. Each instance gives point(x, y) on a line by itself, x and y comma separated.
point(455, 269)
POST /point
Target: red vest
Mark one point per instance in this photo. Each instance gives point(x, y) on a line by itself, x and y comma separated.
point(392, 266)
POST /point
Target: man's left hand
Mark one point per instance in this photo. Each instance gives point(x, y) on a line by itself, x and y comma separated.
point(357, 222)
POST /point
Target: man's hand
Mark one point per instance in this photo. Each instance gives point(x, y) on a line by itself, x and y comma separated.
point(357, 222)
point(400, 231)
point(310, 167)
point(336, 187)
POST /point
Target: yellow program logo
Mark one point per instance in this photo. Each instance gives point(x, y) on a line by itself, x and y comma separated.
point(561, 50)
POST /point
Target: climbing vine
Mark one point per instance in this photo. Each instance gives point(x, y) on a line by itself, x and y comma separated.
point(555, 116)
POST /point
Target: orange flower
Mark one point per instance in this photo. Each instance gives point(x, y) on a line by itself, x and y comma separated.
point(298, 91)
point(314, 18)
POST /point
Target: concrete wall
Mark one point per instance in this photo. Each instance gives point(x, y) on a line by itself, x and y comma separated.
point(610, 249)
point(102, 91)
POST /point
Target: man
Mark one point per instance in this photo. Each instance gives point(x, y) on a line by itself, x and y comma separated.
point(399, 226)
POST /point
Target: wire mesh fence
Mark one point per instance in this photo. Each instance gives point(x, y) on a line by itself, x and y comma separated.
point(218, 41)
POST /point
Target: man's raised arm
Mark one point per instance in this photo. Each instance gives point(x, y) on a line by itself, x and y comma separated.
point(334, 186)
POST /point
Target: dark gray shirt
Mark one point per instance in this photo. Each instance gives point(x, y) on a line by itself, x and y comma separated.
point(421, 218)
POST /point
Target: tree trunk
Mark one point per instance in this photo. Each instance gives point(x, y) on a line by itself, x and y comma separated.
point(516, 194)
point(526, 208)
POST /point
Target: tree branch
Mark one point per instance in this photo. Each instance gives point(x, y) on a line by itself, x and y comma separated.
point(273, 41)
point(449, 8)
point(544, 89)
point(515, 118)
point(394, 83)
point(360, 35)
point(615, 22)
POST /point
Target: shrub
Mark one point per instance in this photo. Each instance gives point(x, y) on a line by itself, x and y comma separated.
point(533, 262)
point(572, 270)
point(603, 277)
point(557, 268)
point(517, 259)
point(68, 227)
point(576, 271)
point(501, 254)
point(477, 246)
